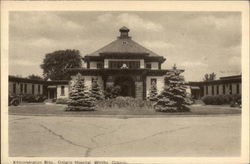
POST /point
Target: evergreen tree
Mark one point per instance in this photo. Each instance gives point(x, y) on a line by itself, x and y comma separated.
point(173, 98)
point(96, 91)
point(153, 93)
point(79, 96)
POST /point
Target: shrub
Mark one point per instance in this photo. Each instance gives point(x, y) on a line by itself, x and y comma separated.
point(62, 101)
point(112, 92)
point(33, 98)
point(222, 99)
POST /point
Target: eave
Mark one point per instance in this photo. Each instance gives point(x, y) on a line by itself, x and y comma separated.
point(160, 59)
point(220, 81)
point(99, 72)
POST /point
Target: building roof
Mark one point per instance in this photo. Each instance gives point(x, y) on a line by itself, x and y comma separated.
point(222, 80)
point(124, 28)
point(33, 81)
point(25, 80)
point(231, 77)
point(124, 45)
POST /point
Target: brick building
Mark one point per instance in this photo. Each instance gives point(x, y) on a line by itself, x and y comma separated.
point(18, 85)
point(50, 89)
point(223, 86)
point(125, 63)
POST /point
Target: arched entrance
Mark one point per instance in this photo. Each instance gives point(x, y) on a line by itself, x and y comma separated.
point(127, 85)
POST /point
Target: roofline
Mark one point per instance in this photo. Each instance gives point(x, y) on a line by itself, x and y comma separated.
point(219, 81)
point(231, 77)
point(161, 59)
point(26, 80)
point(95, 72)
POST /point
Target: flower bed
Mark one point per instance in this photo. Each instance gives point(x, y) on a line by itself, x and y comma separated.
point(127, 103)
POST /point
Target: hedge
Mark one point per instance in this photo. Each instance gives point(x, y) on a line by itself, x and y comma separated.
point(222, 99)
point(33, 98)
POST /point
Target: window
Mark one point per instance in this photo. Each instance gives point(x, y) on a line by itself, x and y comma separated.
point(218, 90)
point(129, 64)
point(25, 88)
point(206, 90)
point(230, 89)
point(33, 89)
point(153, 81)
point(62, 90)
point(212, 90)
point(99, 65)
point(148, 65)
point(21, 88)
point(39, 89)
point(224, 89)
point(237, 88)
point(14, 88)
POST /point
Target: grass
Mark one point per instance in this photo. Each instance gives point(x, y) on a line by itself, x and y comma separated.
point(57, 110)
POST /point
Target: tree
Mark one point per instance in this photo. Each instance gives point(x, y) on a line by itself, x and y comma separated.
point(209, 77)
point(173, 98)
point(153, 93)
point(35, 77)
point(56, 64)
point(79, 96)
point(96, 91)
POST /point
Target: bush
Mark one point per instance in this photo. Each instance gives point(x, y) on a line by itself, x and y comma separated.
point(124, 102)
point(62, 101)
point(222, 99)
point(112, 92)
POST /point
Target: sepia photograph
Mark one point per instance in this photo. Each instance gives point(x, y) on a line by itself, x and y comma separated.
point(125, 84)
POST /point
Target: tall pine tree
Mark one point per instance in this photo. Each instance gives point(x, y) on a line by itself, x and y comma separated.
point(79, 96)
point(173, 98)
point(153, 92)
point(96, 91)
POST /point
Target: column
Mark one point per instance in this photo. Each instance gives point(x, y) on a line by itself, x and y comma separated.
point(106, 63)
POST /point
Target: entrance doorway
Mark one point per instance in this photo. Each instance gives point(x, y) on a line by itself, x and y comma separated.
point(52, 92)
point(127, 86)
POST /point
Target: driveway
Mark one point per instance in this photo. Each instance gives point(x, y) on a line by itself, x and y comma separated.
point(117, 137)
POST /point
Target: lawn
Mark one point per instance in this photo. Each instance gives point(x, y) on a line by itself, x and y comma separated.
point(55, 109)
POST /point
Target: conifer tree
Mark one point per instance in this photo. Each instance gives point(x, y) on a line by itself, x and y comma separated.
point(79, 96)
point(96, 91)
point(173, 98)
point(153, 93)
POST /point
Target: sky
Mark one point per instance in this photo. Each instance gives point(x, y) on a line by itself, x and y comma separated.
point(198, 42)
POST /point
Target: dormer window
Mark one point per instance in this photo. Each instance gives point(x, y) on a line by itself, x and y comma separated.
point(124, 42)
